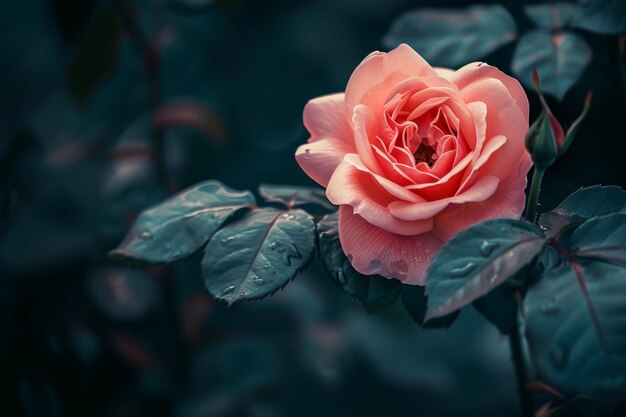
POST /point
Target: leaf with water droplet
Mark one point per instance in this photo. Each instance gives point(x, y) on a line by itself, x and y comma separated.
point(582, 205)
point(179, 226)
point(461, 272)
point(373, 292)
point(268, 247)
point(295, 195)
point(575, 318)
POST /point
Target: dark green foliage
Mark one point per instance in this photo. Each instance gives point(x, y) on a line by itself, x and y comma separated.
point(95, 57)
point(602, 16)
point(415, 302)
point(374, 291)
point(293, 195)
point(478, 260)
point(453, 37)
point(560, 58)
point(258, 254)
point(179, 226)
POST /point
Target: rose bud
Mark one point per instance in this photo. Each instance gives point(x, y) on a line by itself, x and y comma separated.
point(546, 139)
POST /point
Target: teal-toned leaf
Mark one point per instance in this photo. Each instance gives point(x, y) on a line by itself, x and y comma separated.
point(602, 237)
point(500, 306)
point(179, 226)
point(602, 16)
point(415, 302)
point(477, 260)
point(453, 37)
point(560, 58)
point(96, 56)
point(551, 16)
point(258, 254)
point(294, 195)
point(373, 292)
point(584, 204)
point(575, 321)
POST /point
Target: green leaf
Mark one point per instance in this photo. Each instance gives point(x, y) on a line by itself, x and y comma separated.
point(477, 260)
point(415, 302)
point(551, 16)
point(602, 16)
point(575, 321)
point(560, 58)
point(293, 195)
point(584, 204)
point(258, 254)
point(453, 37)
point(373, 292)
point(179, 226)
point(96, 56)
point(603, 238)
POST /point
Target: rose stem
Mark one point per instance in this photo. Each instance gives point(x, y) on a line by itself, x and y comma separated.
point(515, 344)
point(533, 195)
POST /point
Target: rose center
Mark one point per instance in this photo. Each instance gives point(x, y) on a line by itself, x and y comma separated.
point(425, 153)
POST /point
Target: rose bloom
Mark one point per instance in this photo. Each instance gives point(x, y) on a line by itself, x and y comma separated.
point(414, 154)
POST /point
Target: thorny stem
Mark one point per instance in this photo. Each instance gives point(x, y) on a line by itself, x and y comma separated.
point(533, 195)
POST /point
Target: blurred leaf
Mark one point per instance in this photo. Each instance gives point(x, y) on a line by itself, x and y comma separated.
point(575, 320)
point(582, 205)
point(374, 292)
point(415, 302)
point(191, 6)
point(96, 56)
point(477, 260)
point(453, 37)
point(560, 58)
point(603, 238)
point(602, 16)
point(551, 16)
point(258, 254)
point(581, 406)
point(71, 16)
point(39, 397)
point(178, 227)
point(123, 293)
point(294, 195)
point(192, 115)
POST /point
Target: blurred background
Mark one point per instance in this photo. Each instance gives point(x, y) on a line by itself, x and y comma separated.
point(94, 93)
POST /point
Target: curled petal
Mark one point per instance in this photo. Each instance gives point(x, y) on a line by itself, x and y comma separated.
point(320, 158)
point(326, 117)
point(372, 250)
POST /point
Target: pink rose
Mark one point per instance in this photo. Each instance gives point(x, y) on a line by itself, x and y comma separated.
point(414, 154)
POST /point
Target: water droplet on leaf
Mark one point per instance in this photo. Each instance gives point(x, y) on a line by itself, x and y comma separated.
point(464, 270)
point(487, 248)
point(228, 290)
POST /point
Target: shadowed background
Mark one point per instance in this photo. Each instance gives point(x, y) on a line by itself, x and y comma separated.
point(94, 92)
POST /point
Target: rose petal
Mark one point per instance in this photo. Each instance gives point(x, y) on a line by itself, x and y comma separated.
point(326, 117)
point(480, 191)
point(507, 201)
point(372, 250)
point(360, 190)
point(379, 72)
point(320, 158)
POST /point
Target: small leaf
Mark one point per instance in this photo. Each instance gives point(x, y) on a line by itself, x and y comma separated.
point(575, 321)
point(178, 227)
point(602, 16)
point(551, 16)
point(96, 56)
point(415, 301)
point(373, 292)
point(294, 195)
point(453, 37)
point(258, 254)
point(477, 260)
point(582, 205)
point(602, 237)
point(560, 58)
